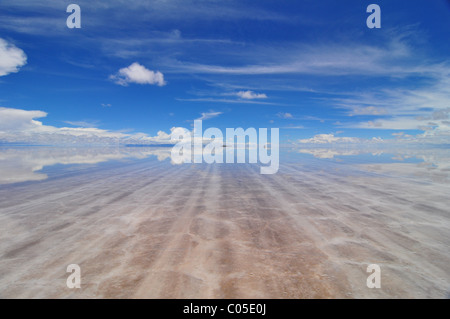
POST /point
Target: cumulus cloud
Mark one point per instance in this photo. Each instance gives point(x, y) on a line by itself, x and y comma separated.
point(137, 73)
point(21, 126)
point(12, 120)
point(11, 58)
point(250, 95)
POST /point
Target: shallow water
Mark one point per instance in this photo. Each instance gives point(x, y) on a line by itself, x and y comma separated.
point(141, 227)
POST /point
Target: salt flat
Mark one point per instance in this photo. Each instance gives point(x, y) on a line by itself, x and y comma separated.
point(149, 229)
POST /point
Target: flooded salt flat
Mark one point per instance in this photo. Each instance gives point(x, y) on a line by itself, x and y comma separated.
point(140, 227)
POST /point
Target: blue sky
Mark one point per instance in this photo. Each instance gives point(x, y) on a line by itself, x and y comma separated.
point(307, 67)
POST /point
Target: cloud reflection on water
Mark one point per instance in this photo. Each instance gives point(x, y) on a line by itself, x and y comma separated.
point(23, 164)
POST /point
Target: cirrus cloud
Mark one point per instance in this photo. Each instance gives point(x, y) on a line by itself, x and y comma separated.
point(285, 115)
point(209, 115)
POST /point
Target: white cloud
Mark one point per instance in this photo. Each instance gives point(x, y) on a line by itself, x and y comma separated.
point(237, 101)
point(427, 124)
point(285, 115)
point(141, 12)
point(296, 127)
point(328, 139)
point(21, 126)
point(209, 115)
point(17, 120)
point(425, 108)
point(250, 95)
point(400, 102)
point(137, 73)
point(369, 110)
point(82, 123)
point(330, 59)
point(441, 114)
point(397, 123)
point(329, 153)
point(11, 58)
